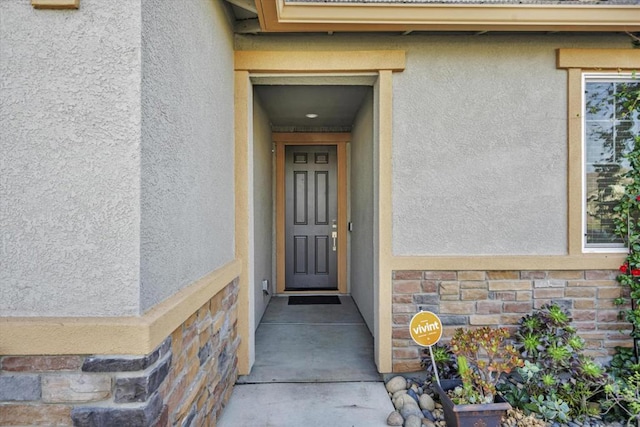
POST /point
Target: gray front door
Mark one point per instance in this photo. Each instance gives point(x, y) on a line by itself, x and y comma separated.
point(311, 217)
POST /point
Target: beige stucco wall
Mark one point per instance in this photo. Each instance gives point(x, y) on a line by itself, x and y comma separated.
point(362, 209)
point(70, 159)
point(480, 149)
point(187, 200)
point(262, 209)
point(479, 138)
point(117, 154)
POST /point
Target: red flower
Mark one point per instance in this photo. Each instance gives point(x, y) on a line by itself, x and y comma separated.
point(635, 272)
point(637, 198)
point(624, 268)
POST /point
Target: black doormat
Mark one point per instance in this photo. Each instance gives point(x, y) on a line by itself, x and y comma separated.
point(315, 299)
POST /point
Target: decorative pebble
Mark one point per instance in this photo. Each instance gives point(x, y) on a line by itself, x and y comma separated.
point(396, 383)
point(427, 402)
point(398, 402)
point(404, 394)
point(398, 393)
point(428, 415)
point(407, 399)
point(395, 419)
point(413, 421)
point(410, 408)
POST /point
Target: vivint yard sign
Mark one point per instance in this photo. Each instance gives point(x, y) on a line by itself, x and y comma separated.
point(426, 330)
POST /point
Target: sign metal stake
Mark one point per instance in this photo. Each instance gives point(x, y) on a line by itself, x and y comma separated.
point(426, 330)
point(435, 368)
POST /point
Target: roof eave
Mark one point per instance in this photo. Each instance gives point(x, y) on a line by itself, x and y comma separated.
point(281, 16)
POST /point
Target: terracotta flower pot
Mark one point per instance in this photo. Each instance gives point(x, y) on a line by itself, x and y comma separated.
point(482, 415)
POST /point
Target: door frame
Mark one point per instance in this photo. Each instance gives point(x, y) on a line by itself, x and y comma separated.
point(339, 140)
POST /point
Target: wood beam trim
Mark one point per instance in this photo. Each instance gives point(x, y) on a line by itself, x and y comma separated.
point(320, 61)
point(594, 59)
point(117, 335)
point(532, 262)
point(55, 4)
point(310, 138)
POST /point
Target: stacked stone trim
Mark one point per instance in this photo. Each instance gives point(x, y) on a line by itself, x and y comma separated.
point(500, 298)
point(185, 381)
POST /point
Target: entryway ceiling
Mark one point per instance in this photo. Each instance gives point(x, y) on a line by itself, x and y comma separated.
point(287, 106)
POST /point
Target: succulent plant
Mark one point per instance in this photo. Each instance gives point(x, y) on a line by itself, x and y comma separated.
point(483, 356)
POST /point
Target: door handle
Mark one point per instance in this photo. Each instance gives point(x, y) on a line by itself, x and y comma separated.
point(334, 236)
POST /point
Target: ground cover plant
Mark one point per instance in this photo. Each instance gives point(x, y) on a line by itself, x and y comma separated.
point(558, 382)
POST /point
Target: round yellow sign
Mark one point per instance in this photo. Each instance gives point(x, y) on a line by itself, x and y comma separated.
point(426, 328)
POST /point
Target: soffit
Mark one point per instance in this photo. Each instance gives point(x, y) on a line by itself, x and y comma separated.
point(335, 105)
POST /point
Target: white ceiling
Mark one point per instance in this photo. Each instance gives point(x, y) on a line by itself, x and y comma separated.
point(335, 105)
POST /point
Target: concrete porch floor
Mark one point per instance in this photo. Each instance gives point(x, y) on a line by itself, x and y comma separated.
point(314, 367)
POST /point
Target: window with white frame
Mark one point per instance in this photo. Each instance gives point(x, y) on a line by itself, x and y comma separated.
point(608, 134)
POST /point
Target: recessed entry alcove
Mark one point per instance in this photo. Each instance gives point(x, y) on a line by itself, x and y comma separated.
point(312, 161)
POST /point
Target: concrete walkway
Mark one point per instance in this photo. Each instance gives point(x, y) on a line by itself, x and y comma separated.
point(314, 367)
point(352, 404)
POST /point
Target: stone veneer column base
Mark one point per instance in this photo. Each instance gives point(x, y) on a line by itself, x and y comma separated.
point(500, 298)
point(187, 380)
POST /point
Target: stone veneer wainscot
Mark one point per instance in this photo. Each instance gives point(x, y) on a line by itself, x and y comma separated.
point(500, 298)
point(186, 380)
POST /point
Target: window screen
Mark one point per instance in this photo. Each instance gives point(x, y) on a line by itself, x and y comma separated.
point(608, 135)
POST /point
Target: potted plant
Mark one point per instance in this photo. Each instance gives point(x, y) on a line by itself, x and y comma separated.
point(483, 356)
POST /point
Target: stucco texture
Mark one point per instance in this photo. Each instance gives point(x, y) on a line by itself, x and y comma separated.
point(362, 209)
point(262, 212)
point(187, 203)
point(480, 150)
point(69, 159)
point(479, 138)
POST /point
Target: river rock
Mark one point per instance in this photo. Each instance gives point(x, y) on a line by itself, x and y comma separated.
point(398, 393)
point(408, 398)
point(413, 421)
point(428, 423)
point(413, 394)
point(401, 399)
point(427, 402)
point(410, 408)
point(396, 383)
point(428, 415)
point(395, 419)
point(398, 402)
